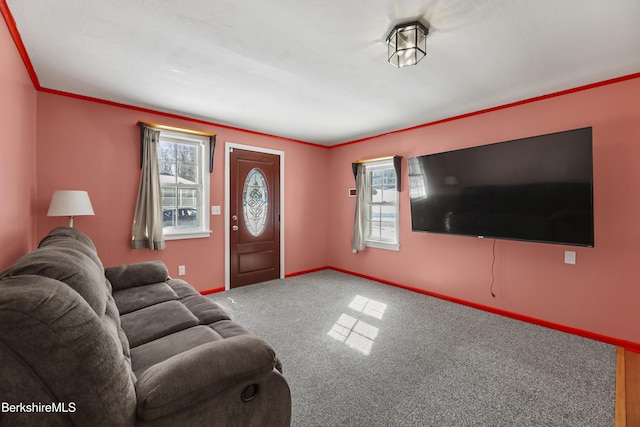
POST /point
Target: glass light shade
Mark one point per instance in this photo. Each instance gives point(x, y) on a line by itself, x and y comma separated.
point(407, 44)
point(70, 203)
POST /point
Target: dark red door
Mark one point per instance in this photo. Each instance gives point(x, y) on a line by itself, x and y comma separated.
point(255, 217)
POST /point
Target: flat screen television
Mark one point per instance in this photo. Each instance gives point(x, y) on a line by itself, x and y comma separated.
point(536, 189)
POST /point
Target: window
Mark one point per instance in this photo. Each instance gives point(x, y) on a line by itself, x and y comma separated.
point(184, 185)
point(382, 225)
point(417, 180)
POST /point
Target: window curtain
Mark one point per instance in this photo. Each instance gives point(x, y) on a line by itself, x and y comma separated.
point(359, 223)
point(147, 221)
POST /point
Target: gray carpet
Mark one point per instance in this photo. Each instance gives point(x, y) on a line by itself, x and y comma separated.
point(360, 353)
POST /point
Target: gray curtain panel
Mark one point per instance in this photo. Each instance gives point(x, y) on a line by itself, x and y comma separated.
point(357, 243)
point(147, 221)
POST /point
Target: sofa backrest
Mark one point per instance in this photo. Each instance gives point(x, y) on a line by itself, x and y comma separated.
point(60, 335)
point(71, 238)
point(71, 234)
point(69, 266)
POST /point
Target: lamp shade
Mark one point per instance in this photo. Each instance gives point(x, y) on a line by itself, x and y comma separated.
point(70, 203)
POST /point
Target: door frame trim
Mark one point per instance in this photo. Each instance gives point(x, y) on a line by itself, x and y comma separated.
point(227, 214)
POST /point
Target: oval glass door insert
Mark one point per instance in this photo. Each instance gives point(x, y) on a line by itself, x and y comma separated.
point(255, 202)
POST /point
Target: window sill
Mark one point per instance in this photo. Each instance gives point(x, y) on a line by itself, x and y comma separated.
point(187, 235)
point(382, 245)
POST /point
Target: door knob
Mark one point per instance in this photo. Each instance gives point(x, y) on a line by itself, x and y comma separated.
point(234, 217)
point(234, 228)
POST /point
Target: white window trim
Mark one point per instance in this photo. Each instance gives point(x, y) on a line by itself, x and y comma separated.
point(205, 229)
point(372, 243)
point(382, 245)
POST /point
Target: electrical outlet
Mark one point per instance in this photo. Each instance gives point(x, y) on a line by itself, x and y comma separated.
point(569, 257)
point(182, 270)
point(215, 210)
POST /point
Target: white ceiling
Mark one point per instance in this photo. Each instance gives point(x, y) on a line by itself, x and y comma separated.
point(316, 71)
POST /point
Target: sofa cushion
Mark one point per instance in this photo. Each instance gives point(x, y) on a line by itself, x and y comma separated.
point(132, 299)
point(63, 344)
point(156, 351)
point(182, 288)
point(67, 265)
point(111, 321)
point(138, 274)
point(228, 328)
point(150, 323)
point(204, 309)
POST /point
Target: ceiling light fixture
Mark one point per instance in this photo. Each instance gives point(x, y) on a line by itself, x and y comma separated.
point(407, 44)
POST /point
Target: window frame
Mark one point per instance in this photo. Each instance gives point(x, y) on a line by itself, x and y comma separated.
point(382, 165)
point(202, 144)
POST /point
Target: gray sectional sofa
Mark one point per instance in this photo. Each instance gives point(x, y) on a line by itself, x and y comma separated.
point(81, 345)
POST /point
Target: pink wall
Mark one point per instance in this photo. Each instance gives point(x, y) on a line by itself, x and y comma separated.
point(18, 153)
point(95, 147)
point(599, 294)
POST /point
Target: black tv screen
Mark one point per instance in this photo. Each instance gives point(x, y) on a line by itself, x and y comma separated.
point(536, 189)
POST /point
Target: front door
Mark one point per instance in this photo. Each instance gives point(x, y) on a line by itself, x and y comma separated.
point(254, 207)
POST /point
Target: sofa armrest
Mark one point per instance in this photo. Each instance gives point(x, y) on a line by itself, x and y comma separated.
point(138, 274)
point(195, 375)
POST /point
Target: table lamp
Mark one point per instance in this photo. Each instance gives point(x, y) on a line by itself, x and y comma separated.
point(70, 203)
